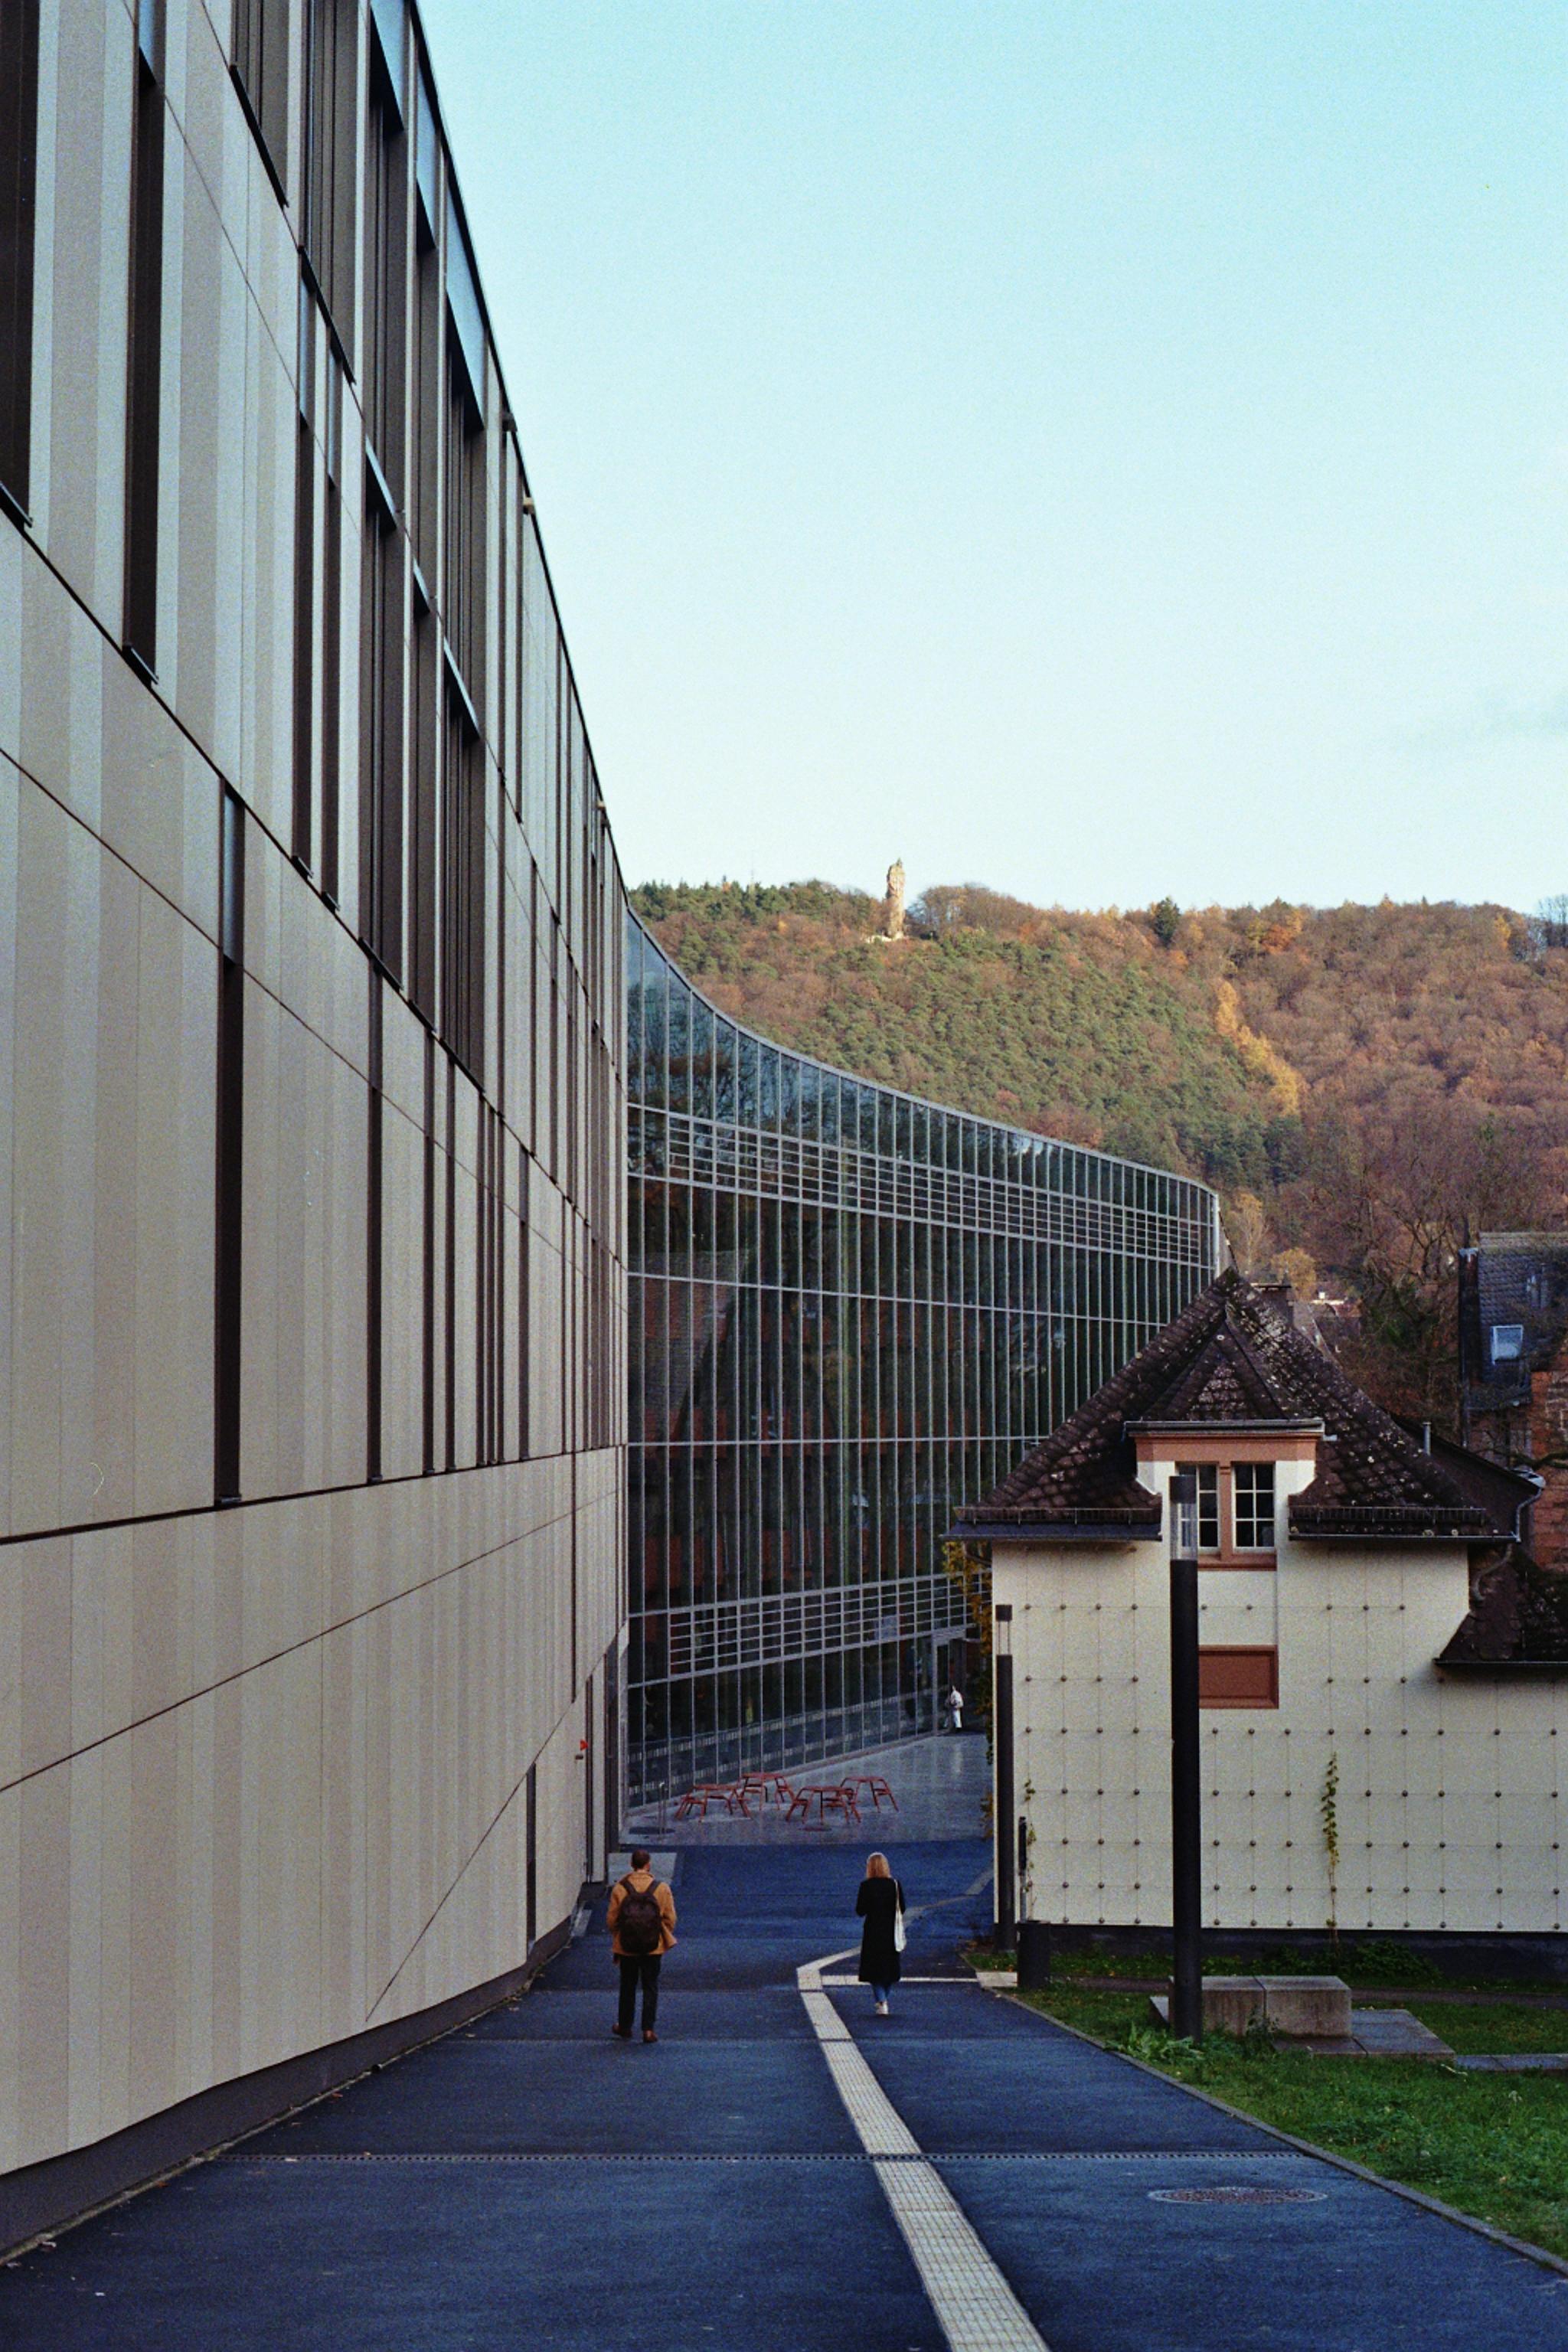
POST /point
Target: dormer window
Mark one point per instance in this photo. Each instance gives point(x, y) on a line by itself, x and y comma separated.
point(1236, 1513)
point(1253, 1505)
point(1508, 1342)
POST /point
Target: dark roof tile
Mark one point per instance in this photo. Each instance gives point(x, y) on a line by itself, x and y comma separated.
point(1235, 1356)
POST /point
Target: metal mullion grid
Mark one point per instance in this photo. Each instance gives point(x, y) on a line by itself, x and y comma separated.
point(927, 1392)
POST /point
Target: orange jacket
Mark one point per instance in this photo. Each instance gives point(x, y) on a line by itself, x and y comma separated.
point(640, 1879)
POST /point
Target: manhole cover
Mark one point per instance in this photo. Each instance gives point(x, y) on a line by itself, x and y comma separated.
point(1236, 2195)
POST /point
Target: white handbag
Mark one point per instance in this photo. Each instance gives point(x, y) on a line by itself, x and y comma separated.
point(899, 1938)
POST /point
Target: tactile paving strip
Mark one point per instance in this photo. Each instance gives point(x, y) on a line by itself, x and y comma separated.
point(976, 2308)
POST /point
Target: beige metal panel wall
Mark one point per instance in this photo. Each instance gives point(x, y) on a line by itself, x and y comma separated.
point(263, 1770)
point(80, 723)
point(106, 1136)
point(1452, 1802)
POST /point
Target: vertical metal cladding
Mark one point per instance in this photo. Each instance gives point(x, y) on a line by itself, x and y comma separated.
point(851, 1311)
point(311, 1294)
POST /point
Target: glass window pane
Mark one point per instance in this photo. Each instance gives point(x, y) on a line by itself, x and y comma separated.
point(701, 1050)
point(726, 1070)
point(678, 1029)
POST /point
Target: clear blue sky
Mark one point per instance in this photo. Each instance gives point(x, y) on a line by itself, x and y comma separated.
point(1092, 449)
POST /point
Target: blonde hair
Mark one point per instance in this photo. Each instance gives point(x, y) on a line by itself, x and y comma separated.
point(877, 1866)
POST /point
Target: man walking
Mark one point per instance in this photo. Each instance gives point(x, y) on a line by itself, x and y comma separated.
point(955, 1708)
point(642, 1923)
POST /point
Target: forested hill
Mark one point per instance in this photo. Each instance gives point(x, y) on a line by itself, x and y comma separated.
point(1358, 1081)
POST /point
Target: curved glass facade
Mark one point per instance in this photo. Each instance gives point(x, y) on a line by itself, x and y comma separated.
point(851, 1311)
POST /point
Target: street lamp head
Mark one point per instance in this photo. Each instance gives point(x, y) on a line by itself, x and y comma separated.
point(1185, 1515)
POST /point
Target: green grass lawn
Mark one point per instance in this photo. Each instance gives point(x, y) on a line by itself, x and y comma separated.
point(1494, 2025)
point(1493, 2145)
point(1369, 1961)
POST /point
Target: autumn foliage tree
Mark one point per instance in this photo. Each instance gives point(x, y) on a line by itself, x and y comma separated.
point(1362, 1084)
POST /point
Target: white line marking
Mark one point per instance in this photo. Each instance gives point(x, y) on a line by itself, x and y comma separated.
point(977, 2309)
point(908, 1981)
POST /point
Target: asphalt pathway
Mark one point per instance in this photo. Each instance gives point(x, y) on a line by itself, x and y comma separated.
point(530, 2181)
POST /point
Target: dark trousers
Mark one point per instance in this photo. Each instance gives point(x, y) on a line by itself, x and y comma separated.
point(643, 1965)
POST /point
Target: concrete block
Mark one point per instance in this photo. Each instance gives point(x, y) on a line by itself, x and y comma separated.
point(1297, 2006)
point(1293, 2006)
point(1231, 2004)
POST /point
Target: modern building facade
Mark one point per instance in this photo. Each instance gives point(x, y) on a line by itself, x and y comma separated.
point(313, 1147)
point(313, 1381)
point(850, 1312)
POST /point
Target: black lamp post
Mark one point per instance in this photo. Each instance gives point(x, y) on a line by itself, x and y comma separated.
point(1006, 1882)
point(1186, 1858)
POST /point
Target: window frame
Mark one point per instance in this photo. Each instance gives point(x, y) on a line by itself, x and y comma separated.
point(1226, 1552)
point(1253, 1470)
point(19, 221)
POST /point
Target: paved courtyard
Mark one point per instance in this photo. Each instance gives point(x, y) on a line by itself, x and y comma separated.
point(781, 2172)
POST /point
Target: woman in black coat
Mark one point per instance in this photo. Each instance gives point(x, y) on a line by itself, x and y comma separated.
point(878, 1903)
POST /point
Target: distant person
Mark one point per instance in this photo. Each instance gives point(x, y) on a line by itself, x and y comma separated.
point(955, 1708)
point(642, 1924)
point(881, 1903)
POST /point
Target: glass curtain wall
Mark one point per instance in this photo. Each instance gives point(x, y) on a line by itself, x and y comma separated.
point(850, 1312)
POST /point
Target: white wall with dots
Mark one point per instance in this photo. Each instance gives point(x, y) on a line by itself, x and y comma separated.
point(1451, 1808)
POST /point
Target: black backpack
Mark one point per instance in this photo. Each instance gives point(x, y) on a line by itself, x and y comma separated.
point(639, 1922)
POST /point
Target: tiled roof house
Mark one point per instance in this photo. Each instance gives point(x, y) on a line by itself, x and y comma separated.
point(1369, 1626)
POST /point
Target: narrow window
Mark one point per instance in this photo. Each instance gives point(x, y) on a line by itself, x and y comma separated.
point(463, 889)
point(1253, 1505)
point(381, 735)
point(19, 179)
point(495, 1292)
point(423, 472)
point(482, 1287)
point(1207, 1477)
point(331, 639)
point(230, 1150)
point(463, 514)
point(589, 1857)
point(385, 277)
point(427, 1318)
point(304, 642)
point(450, 1273)
point(530, 1862)
point(524, 1285)
point(373, 1250)
point(331, 113)
point(261, 70)
point(146, 290)
point(425, 826)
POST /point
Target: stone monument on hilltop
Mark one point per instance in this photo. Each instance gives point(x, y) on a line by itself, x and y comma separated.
point(893, 909)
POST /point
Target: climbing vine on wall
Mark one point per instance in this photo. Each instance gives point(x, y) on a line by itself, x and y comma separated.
point(1328, 1814)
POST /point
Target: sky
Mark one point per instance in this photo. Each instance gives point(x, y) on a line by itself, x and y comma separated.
point(1095, 450)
